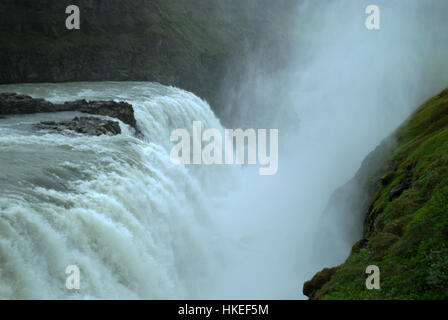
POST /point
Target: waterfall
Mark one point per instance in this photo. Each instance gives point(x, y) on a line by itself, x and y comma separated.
point(139, 226)
point(136, 225)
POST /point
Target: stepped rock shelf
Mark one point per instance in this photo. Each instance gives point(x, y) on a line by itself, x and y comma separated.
point(17, 104)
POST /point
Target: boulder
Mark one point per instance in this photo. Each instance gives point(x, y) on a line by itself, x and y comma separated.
point(400, 188)
point(90, 126)
point(13, 103)
point(120, 110)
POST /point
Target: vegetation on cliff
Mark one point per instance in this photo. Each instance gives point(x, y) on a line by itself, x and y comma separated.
point(406, 223)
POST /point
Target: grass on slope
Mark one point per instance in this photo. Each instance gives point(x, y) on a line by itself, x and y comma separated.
point(406, 229)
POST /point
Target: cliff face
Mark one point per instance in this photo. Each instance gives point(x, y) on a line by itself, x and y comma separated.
point(185, 43)
point(153, 40)
point(401, 193)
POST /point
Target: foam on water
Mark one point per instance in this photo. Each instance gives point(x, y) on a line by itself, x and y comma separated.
point(137, 225)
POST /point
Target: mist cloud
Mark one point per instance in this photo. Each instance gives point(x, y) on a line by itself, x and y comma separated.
point(341, 91)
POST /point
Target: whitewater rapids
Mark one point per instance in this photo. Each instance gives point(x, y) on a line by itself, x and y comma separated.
point(136, 225)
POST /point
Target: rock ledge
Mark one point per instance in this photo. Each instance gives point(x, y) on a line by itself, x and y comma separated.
point(13, 103)
point(90, 126)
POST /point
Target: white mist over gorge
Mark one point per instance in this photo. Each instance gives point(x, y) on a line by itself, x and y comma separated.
point(227, 148)
point(139, 226)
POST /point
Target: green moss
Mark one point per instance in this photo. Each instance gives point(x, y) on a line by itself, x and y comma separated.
point(314, 285)
point(405, 236)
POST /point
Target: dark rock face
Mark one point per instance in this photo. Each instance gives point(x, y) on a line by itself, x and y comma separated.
point(12, 103)
point(399, 189)
point(133, 40)
point(184, 43)
point(119, 110)
point(85, 125)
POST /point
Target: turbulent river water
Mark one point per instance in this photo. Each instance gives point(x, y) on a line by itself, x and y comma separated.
point(140, 227)
point(137, 225)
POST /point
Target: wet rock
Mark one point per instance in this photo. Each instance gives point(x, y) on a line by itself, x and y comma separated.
point(90, 126)
point(13, 103)
point(399, 189)
point(119, 110)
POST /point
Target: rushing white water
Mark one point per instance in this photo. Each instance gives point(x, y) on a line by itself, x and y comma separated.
point(140, 227)
point(137, 225)
point(343, 90)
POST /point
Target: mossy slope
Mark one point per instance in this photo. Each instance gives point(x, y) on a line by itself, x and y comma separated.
point(406, 225)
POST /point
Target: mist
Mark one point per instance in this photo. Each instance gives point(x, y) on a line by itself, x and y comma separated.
point(140, 226)
point(341, 90)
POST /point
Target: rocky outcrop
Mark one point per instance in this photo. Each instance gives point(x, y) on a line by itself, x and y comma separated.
point(84, 125)
point(310, 288)
point(13, 103)
point(120, 110)
point(399, 189)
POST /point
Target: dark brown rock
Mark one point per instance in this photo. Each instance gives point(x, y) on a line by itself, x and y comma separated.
point(90, 126)
point(399, 189)
point(119, 110)
point(13, 103)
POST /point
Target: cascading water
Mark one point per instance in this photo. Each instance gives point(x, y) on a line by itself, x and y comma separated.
point(135, 224)
point(139, 226)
